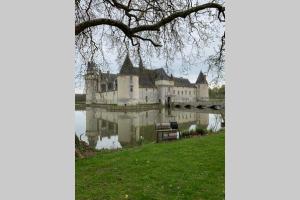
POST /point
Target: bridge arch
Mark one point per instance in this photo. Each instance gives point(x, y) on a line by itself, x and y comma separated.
point(200, 107)
point(188, 106)
point(177, 106)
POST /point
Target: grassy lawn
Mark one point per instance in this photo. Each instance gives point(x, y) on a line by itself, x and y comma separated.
point(186, 169)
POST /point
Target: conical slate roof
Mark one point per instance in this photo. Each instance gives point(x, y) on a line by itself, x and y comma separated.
point(161, 74)
point(141, 65)
point(127, 67)
point(201, 79)
point(91, 66)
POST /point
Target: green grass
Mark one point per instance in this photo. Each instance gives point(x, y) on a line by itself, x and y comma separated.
point(185, 169)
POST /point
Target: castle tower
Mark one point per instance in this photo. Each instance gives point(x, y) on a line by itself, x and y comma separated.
point(202, 88)
point(91, 83)
point(164, 86)
point(128, 84)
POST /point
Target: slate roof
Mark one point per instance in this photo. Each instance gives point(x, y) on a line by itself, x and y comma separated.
point(141, 65)
point(161, 74)
point(201, 78)
point(147, 77)
point(182, 82)
point(127, 67)
point(91, 66)
point(109, 77)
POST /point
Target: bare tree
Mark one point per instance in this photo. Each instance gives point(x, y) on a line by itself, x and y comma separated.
point(147, 28)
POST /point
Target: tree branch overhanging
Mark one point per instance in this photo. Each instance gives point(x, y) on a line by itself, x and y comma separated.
point(180, 28)
point(132, 32)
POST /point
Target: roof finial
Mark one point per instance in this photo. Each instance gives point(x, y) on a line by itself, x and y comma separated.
point(201, 78)
point(127, 55)
point(141, 65)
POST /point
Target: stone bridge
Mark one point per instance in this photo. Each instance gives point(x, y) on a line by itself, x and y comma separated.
point(214, 104)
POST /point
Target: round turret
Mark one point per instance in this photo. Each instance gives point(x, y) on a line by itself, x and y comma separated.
point(128, 84)
point(164, 86)
point(91, 83)
point(202, 88)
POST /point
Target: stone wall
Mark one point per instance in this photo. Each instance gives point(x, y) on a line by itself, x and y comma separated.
point(107, 97)
point(202, 92)
point(91, 88)
point(125, 95)
point(184, 94)
point(150, 93)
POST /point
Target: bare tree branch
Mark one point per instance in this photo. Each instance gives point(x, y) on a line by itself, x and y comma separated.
point(154, 27)
point(162, 29)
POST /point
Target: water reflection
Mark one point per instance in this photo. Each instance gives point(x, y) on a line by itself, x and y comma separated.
point(111, 130)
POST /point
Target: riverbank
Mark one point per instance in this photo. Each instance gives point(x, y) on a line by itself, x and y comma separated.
point(185, 169)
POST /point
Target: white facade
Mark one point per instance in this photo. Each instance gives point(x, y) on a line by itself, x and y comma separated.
point(148, 95)
point(123, 95)
point(128, 90)
point(133, 86)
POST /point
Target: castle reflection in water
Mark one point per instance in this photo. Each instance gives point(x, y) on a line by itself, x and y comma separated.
point(111, 130)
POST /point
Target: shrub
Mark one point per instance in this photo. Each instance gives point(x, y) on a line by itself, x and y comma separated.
point(201, 130)
point(193, 132)
point(185, 134)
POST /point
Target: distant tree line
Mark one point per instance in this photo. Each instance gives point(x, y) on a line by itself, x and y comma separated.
point(217, 92)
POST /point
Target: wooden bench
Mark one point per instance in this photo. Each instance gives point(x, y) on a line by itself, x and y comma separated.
point(164, 131)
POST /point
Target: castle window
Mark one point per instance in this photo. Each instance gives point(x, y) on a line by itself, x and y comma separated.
point(190, 92)
point(131, 88)
point(146, 99)
point(178, 92)
point(182, 92)
point(185, 92)
point(130, 79)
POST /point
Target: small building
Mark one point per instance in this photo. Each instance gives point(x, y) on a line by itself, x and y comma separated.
point(139, 85)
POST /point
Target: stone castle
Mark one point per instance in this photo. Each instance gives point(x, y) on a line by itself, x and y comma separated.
point(139, 85)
